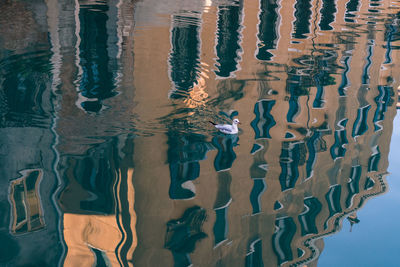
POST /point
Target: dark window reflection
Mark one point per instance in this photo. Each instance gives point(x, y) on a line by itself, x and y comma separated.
point(282, 239)
point(333, 200)
point(228, 38)
point(373, 161)
point(90, 181)
point(315, 144)
point(369, 183)
point(183, 234)
point(302, 22)
point(185, 54)
point(312, 207)
point(360, 125)
point(365, 75)
point(351, 7)
point(328, 11)
point(259, 187)
point(383, 101)
point(292, 156)
point(226, 155)
point(184, 154)
point(353, 184)
point(338, 149)
point(264, 120)
point(97, 81)
point(345, 81)
point(23, 80)
point(267, 29)
point(254, 255)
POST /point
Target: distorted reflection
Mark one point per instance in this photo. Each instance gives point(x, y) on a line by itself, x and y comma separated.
point(107, 157)
point(183, 234)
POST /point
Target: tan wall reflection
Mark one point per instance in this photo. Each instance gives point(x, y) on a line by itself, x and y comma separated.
point(337, 182)
point(105, 233)
point(309, 156)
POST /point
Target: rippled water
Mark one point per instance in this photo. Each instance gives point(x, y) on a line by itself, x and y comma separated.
point(107, 156)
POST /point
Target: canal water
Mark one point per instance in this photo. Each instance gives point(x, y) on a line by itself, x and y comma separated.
point(108, 156)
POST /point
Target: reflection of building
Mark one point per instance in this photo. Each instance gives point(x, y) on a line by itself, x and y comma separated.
point(95, 163)
point(29, 218)
point(319, 125)
point(318, 108)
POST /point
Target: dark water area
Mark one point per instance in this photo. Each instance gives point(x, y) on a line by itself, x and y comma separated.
point(108, 157)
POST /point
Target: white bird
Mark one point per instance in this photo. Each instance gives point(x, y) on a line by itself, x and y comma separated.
point(227, 128)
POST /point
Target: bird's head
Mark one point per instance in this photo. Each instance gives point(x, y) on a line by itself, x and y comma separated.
point(236, 121)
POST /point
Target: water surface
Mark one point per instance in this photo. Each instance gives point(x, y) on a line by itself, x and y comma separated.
point(108, 158)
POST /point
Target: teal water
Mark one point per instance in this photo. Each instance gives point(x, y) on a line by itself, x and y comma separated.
point(107, 156)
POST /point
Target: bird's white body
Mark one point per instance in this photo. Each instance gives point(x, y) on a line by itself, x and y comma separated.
point(227, 128)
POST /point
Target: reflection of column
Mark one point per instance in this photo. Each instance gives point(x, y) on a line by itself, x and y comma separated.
point(267, 29)
point(228, 38)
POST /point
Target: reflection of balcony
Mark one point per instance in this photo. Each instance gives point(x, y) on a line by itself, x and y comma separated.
point(27, 214)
